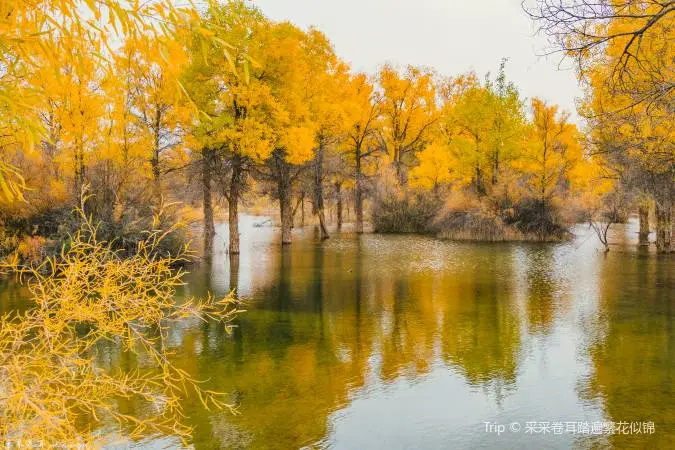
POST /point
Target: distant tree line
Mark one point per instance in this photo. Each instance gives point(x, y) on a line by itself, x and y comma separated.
point(228, 106)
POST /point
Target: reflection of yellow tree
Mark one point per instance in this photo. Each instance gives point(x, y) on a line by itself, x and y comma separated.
point(541, 291)
point(287, 370)
point(332, 319)
point(481, 334)
point(634, 354)
point(408, 329)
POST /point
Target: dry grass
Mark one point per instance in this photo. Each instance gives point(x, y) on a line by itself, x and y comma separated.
point(477, 226)
point(463, 216)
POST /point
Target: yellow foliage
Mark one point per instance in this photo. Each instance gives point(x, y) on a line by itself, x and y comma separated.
point(299, 143)
point(48, 376)
point(484, 127)
point(409, 112)
point(629, 92)
point(552, 150)
point(30, 248)
point(435, 167)
point(71, 40)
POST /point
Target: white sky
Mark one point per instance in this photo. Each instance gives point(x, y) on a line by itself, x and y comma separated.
point(451, 36)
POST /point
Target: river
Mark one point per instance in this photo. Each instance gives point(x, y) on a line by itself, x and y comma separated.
point(389, 341)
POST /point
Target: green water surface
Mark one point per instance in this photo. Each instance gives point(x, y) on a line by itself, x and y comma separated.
point(386, 341)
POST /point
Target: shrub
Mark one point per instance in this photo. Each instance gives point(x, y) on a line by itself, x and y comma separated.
point(28, 249)
point(405, 212)
point(46, 232)
point(8, 243)
point(48, 377)
point(539, 219)
point(475, 225)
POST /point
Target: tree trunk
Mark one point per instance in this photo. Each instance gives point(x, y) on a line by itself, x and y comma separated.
point(358, 193)
point(399, 165)
point(495, 167)
point(318, 190)
point(234, 274)
point(156, 183)
point(478, 173)
point(643, 235)
point(154, 161)
point(79, 172)
point(479, 186)
point(399, 172)
point(338, 191)
point(300, 201)
point(322, 225)
point(209, 227)
point(663, 227)
point(284, 193)
point(233, 203)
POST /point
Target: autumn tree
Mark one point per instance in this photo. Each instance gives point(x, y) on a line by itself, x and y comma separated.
point(362, 140)
point(623, 52)
point(623, 36)
point(636, 137)
point(551, 152)
point(508, 121)
point(326, 86)
point(483, 125)
point(38, 32)
point(77, 92)
point(409, 112)
point(158, 105)
point(237, 110)
point(285, 69)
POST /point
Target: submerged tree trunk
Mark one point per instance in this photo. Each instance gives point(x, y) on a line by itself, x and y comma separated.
point(643, 213)
point(233, 203)
point(234, 273)
point(338, 192)
point(299, 203)
point(283, 170)
point(318, 190)
point(322, 224)
point(663, 227)
point(209, 228)
point(358, 193)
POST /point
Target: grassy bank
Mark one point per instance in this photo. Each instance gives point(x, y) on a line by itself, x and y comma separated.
point(466, 218)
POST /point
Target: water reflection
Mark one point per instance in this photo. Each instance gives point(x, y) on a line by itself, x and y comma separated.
point(481, 333)
point(365, 341)
point(404, 341)
point(633, 355)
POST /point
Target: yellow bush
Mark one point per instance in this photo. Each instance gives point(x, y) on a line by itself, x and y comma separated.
point(48, 378)
point(30, 248)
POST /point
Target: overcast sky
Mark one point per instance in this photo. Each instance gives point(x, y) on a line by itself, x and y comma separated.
point(451, 36)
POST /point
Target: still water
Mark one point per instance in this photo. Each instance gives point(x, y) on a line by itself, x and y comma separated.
point(384, 341)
